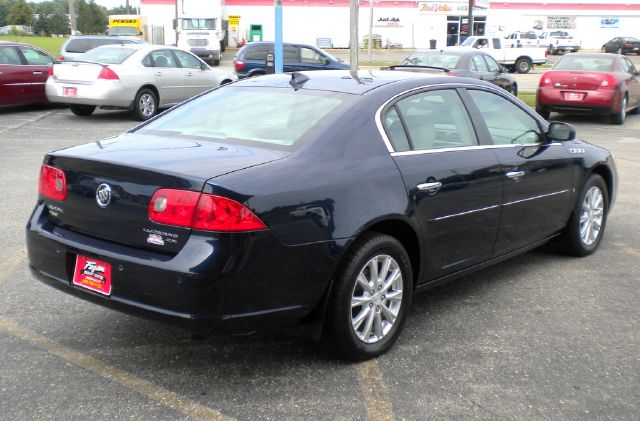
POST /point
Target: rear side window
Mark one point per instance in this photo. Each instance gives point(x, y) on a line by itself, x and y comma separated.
point(427, 127)
point(478, 64)
point(35, 57)
point(258, 52)
point(278, 116)
point(507, 123)
point(108, 55)
point(9, 55)
point(187, 60)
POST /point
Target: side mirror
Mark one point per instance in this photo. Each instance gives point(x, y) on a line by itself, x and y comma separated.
point(503, 69)
point(561, 132)
point(140, 33)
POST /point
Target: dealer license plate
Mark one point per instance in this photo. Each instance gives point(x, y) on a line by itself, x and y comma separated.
point(92, 274)
point(573, 96)
point(67, 91)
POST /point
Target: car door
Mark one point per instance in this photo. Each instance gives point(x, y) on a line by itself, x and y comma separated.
point(479, 69)
point(168, 76)
point(38, 63)
point(291, 58)
point(197, 75)
point(15, 77)
point(537, 175)
point(312, 60)
point(453, 182)
point(632, 81)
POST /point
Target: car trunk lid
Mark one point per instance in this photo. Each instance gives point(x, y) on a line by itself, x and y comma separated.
point(77, 71)
point(133, 167)
point(578, 80)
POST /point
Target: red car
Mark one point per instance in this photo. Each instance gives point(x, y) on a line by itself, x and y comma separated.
point(605, 84)
point(23, 72)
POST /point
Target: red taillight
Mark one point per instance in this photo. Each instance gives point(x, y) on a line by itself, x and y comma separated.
point(60, 57)
point(545, 80)
point(108, 74)
point(608, 82)
point(239, 65)
point(52, 183)
point(205, 212)
point(51, 71)
point(628, 45)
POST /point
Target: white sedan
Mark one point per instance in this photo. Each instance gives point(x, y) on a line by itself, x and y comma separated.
point(136, 77)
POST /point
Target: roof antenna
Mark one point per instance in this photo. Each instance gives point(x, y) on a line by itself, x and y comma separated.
point(297, 80)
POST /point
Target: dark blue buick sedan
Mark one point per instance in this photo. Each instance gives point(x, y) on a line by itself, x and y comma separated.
point(324, 198)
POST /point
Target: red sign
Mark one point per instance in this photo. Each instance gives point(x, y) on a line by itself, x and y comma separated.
point(92, 274)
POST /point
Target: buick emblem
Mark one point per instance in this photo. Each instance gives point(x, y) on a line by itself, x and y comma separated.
point(103, 195)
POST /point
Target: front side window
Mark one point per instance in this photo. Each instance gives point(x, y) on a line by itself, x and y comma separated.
point(35, 57)
point(258, 52)
point(478, 64)
point(187, 60)
point(307, 55)
point(507, 123)
point(433, 120)
point(492, 64)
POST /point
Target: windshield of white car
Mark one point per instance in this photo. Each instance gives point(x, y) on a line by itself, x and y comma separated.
point(276, 116)
point(107, 55)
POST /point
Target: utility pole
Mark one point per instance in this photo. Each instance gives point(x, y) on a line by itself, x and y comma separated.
point(370, 27)
point(470, 18)
point(72, 17)
point(126, 6)
point(277, 51)
point(353, 38)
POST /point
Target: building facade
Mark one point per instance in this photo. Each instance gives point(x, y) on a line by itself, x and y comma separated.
point(413, 24)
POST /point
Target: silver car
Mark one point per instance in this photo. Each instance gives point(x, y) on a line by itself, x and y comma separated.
point(140, 78)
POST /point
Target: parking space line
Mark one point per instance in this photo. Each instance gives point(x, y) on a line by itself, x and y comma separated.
point(173, 400)
point(374, 392)
point(35, 119)
point(628, 249)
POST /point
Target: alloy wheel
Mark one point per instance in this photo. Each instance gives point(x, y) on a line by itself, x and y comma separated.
point(376, 298)
point(147, 105)
point(591, 216)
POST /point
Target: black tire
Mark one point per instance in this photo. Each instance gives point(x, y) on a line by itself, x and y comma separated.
point(216, 62)
point(145, 105)
point(82, 110)
point(223, 47)
point(523, 65)
point(544, 114)
point(339, 333)
point(571, 241)
point(618, 117)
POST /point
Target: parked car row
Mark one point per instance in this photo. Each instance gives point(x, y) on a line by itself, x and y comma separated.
point(105, 72)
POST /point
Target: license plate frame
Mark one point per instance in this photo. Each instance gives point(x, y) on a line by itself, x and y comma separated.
point(573, 96)
point(92, 274)
point(69, 91)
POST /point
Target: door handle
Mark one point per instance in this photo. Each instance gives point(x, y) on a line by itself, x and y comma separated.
point(38, 73)
point(158, 73)
point(431, 187)
point(515, 175)
point(189, 74)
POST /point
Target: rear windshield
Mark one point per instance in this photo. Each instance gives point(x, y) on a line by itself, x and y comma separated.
point(107, 55)
point(578, 62)
point(81, 45)
point(276, 116)
point(448, 61)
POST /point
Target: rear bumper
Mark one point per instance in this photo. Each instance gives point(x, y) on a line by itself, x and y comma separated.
point(594, 102)
point(100, 93)
point(206, 54)
point(221, 282)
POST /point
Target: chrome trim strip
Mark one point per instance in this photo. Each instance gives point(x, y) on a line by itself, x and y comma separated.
point(536, 197)
point(464, 213)
point(470, 148)
point(378, 116)
point(20, 84)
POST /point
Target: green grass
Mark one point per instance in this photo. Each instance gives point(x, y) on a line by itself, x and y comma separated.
point(528, 97)
point(49, 44)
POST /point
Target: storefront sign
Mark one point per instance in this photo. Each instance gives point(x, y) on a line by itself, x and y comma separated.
point(610, 22)
point(445, 7)
point(389, 21)
point(561, 22)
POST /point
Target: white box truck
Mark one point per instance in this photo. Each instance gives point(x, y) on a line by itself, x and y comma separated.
point(199, 28)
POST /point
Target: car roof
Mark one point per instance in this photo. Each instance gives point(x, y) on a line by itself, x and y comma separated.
point(140, 47)
point(105, 37)
point(342, 80)
point(255, 43)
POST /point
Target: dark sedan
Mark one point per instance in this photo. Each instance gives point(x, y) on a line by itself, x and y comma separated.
point(23, 72)
point(605, 84)
point(622, 45)
point(328, 201)
point(473, 64)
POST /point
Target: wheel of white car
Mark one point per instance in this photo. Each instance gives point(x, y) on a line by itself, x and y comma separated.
point(145, 105)
point(523, 65)
point(370, 298)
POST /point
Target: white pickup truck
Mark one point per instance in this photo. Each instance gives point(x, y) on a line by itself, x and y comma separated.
point(557, 41)
point(519, 60)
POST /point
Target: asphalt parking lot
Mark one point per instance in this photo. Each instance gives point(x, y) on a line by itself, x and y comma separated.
point(543, 336)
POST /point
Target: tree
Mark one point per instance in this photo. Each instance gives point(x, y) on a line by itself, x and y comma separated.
point(42, 25)
point(20, 14)
point(59, 24)
point(4, 11)
point(92, 19)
